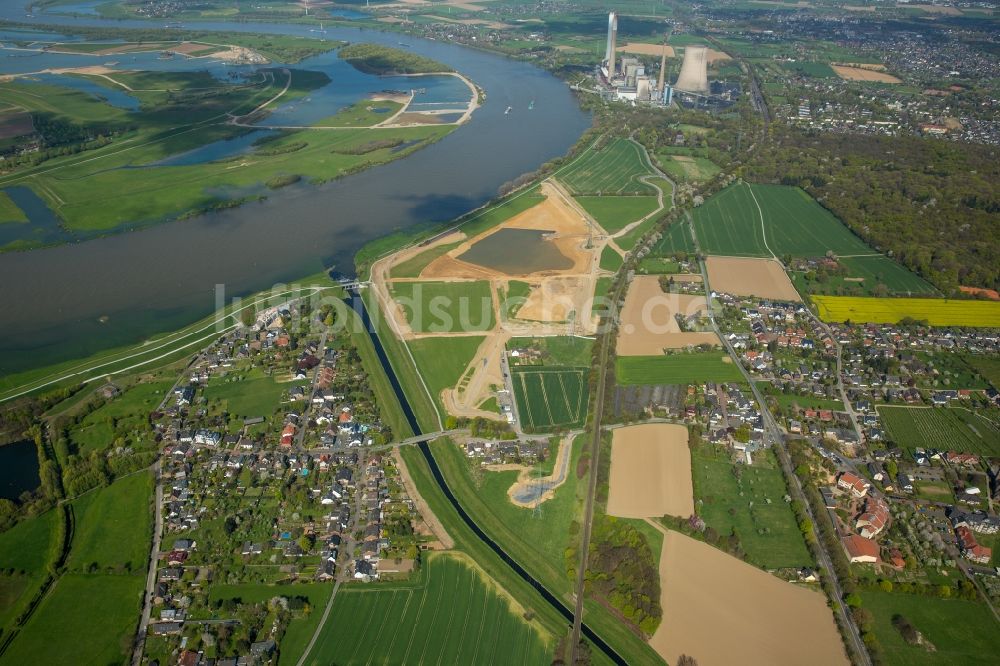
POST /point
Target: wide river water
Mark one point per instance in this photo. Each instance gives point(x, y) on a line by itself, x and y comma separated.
point(72, 300)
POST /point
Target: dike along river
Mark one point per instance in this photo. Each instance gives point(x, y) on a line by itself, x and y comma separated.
point(69, 301)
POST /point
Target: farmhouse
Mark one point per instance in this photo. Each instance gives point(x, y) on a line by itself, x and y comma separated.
point(852, 482)
point(971, 549)
point(874, 519)
point(861, 550)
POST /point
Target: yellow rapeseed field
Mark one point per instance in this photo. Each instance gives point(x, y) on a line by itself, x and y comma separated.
point(935, 311)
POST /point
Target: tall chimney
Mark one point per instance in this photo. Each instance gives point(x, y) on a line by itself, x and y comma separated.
point(663, 66)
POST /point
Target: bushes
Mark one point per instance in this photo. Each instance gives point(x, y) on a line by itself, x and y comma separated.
point(622, 572)
point(283, 181)
point(369, 147)
point(376, 59)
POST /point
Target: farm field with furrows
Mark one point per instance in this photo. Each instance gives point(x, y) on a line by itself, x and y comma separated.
point(550, 397)
point(454, 615)
point(614, 169)
point(676, 238)
point(729, 223)
point(676, 369)
point(935, 311)
point(946, 429)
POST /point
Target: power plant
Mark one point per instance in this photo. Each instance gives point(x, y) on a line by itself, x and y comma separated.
point(625, 78)
point(694, 71)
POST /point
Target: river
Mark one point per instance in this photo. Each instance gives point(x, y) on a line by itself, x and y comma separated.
point(73, 300)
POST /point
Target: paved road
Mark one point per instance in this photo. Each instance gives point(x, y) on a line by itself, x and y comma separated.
point(776, 437)
point(154, 552)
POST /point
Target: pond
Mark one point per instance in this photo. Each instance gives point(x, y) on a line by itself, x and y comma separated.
point(18, 469)
point(516, 252)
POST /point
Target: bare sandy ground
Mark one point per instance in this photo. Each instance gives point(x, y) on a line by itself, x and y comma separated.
point(874, 66)
point(650, 472)
point(722, 611)
point(859, 74)
point(717, 56)
point(647, 49)
point(430, 521)
point(526, 480)
point(743, 276)
point(648, 325)
point(553, 300)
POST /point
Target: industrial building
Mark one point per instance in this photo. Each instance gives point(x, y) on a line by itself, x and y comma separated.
point(624, 78)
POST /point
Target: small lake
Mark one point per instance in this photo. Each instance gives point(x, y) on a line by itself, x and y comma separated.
point(18, 469)
point(517, 251)
point(216, 150)
point(43, 225)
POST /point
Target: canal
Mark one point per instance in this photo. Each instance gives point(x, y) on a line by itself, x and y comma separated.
point(357, 303)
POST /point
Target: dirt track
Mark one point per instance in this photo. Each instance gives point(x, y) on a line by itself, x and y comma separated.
point(722, 611)
point(431, 521)
point(747, 276)
point(650, 472)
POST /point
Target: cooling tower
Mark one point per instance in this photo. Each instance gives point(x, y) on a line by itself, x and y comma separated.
point(694, 70)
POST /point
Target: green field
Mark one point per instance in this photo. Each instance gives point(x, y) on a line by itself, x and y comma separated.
point(301, 627)
point(935, 311)
point(819, 70)
point(25, 547)
point(25, 550)
point(250, 394)
point(863, 277)
point(536, 539)
point(729, 223)
point(558, 350)
point(614, 169)
point(676, 239)
point(946, 429)
point(113, 526)
point(987, 366)
point(513, 297)
point(687, 169)
point(611, 260)
point(550, 397)
point(446, 307)
point(455, 614)
point(441, 362)
point(364, 113)
point(616, 213)
point(691, 368)
point(413, 266)
point(108, 187)
point(748, 500)
point(961, 631)
point(95, 432)
point(9, 211)
point(94, 618)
